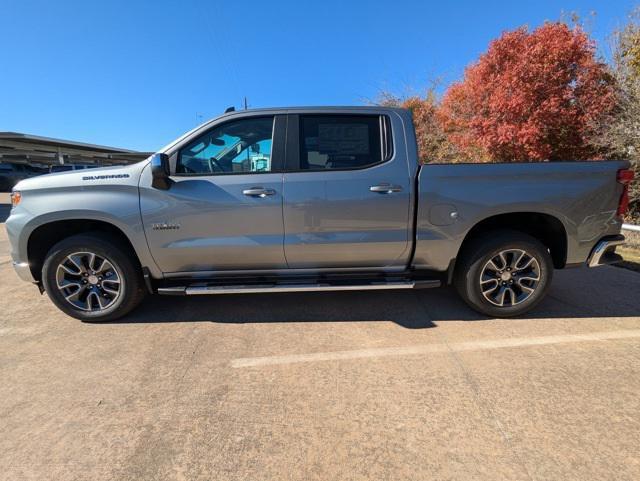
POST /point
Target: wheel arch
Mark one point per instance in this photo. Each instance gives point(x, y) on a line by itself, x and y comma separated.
point(46, 235)
point(546, 228)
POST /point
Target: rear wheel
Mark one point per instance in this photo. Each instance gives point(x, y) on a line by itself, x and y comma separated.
point(92, 277)
point(504, 273)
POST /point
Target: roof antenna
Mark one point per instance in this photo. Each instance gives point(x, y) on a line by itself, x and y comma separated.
point(245, 103)
point(230, 109)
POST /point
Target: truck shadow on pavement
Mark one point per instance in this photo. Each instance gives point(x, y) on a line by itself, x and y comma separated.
point(402, 308)
point(575, 293)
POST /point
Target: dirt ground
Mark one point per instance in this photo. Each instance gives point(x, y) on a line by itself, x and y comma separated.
point(324, 386)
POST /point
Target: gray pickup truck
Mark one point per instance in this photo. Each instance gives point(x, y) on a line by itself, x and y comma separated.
point(311, 199)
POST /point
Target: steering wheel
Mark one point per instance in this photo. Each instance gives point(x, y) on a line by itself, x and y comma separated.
point(214, 166)
point(186, 169)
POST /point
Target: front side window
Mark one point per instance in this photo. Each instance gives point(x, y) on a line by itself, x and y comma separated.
point(339, 141)
point(241, 146)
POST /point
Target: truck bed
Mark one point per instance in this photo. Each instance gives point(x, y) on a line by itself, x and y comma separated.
point(454, 198)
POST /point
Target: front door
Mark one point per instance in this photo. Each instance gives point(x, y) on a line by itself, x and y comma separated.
point(224, 208)
point(347, 200)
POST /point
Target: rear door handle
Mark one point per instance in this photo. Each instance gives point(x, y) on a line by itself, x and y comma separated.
point(258, 192)
point(385, 188)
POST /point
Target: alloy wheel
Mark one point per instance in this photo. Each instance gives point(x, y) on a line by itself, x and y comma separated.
point(88, 282)
point(510, 278)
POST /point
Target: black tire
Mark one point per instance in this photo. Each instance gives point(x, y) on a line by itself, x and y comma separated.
point(474, 265)
point(130, 285)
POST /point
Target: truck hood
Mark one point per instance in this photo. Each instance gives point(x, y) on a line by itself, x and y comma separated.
point(125, 174)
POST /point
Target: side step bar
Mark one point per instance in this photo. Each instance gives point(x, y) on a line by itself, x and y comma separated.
point(255, 289)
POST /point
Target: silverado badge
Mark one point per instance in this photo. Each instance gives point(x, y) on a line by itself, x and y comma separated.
point(165, 226)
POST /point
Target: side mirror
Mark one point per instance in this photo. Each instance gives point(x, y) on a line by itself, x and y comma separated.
point(160, 171)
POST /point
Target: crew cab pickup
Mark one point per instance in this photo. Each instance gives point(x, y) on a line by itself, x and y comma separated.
point(311, 199)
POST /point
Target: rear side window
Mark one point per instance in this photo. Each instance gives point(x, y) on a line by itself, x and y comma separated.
point(340, 141)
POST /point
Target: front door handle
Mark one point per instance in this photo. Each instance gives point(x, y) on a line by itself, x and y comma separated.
point(258, 192)
point(385, 188)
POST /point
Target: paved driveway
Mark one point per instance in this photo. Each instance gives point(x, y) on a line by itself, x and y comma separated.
point(340, 386)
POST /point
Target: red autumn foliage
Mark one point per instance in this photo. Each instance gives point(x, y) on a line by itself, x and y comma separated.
point(432, 141)
point(532, 96)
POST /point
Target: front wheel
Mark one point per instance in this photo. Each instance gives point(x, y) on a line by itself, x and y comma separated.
point(92, 277)
point(504, 273)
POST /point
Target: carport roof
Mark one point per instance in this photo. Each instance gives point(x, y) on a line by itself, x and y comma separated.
point(35, 149)
point(18, 136)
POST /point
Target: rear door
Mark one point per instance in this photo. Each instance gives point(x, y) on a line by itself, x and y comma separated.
point(347, 192)
point(223, 210)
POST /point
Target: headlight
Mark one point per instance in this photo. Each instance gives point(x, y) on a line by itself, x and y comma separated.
point(16, 197)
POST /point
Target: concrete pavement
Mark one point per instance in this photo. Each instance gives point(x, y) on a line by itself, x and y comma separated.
point(326, 386)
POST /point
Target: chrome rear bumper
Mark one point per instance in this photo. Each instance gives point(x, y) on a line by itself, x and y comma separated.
point(603, 253)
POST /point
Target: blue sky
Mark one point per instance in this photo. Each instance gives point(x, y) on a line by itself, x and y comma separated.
point(138, 74)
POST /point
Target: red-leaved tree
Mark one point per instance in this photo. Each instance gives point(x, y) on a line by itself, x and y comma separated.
point(534, 95)
point(432, 141)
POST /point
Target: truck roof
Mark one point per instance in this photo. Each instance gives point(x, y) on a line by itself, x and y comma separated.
point(324, 107)
point(312, 108)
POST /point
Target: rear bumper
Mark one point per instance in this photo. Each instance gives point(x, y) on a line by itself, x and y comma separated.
point(604, 251)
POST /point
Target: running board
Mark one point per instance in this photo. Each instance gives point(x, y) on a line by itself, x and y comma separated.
point(258, 289)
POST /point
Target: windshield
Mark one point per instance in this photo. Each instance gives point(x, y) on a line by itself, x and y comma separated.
point(184, 136)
